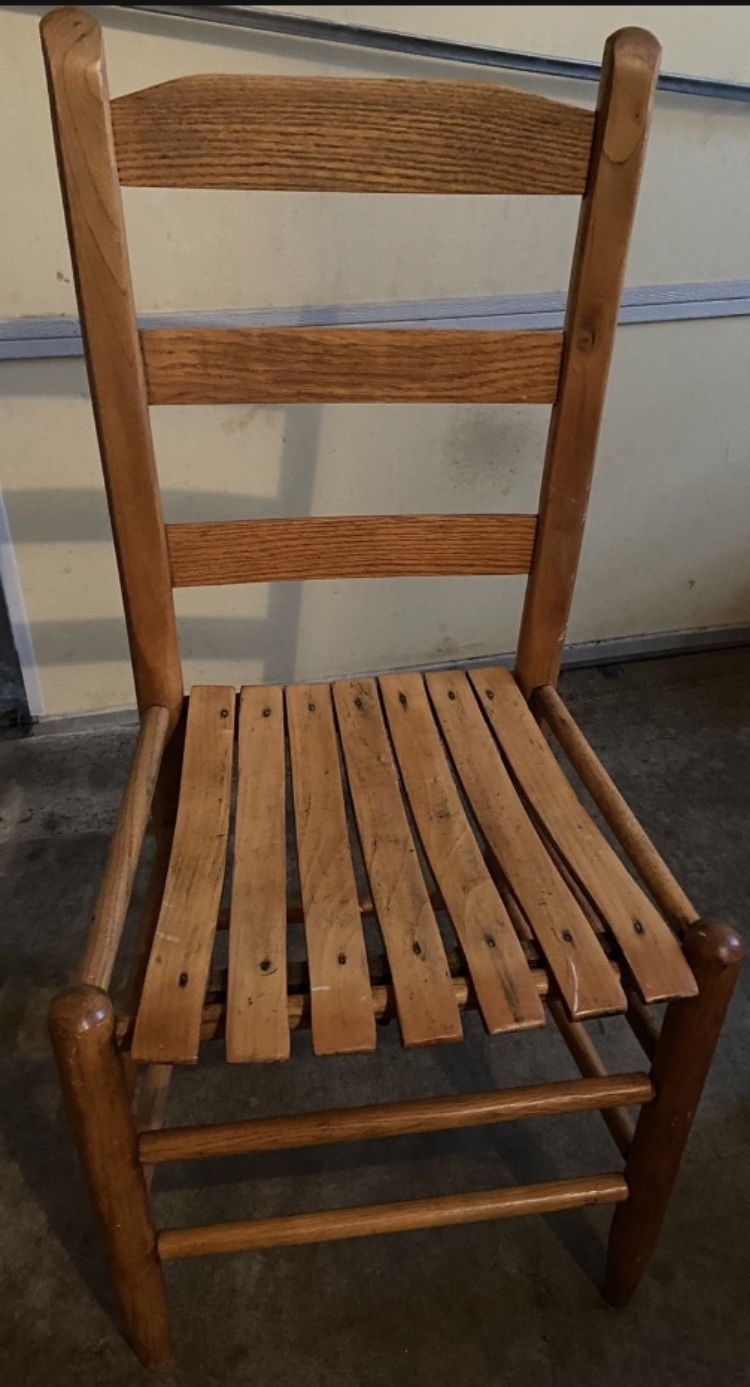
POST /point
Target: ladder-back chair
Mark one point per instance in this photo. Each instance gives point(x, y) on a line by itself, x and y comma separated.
point(547, 920)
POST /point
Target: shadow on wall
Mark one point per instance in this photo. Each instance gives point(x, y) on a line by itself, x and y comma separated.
point(78, 515)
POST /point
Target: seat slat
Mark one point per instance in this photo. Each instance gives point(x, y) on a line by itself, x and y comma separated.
point(333, 135)
point(425, 1000)
point(257, 1026)
point(343, 1021)
point(168, 1024)
point(348, 546)
point(502, 980)
point(585, 978)
point(295, 365)
point(654, 955)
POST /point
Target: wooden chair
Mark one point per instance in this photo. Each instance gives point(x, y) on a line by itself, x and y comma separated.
point(542, 908)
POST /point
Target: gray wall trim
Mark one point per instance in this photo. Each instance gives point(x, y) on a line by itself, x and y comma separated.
point(417, 45)
point(617, 650)
point(50, 336)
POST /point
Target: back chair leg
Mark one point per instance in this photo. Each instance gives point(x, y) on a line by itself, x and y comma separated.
point(682, 1060)
point(96, 1098)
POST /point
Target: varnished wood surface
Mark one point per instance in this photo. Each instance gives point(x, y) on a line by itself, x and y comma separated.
point(394, 1119)
point(335, 1224)
point(591, 1065)
point(125, 850)
point(342, 1016)
point(169, 1015)
point(348, 546)
point(98, 1107)
point(494, 956)
point(257, 1026)
point(364, 136)
point(325, 134)
point(582, 973)
point(549, 871)
point(631, 835)
point(653, 953)
point(425, 1003)
point(296, 365)
point(79, 101)
point(682, 1060)
point(630, 68)
point(213, 1015)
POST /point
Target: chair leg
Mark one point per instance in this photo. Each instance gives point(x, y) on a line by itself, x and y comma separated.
point(82, 1031)
point(682, 1060)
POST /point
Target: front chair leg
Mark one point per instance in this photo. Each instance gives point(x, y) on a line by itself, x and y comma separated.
point(682, 1060)
point(96, 1098)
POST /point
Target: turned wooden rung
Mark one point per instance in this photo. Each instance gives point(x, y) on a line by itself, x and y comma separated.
point(335, 1224)
point(298, 1007)
point(393, 1119)
point(632, 836)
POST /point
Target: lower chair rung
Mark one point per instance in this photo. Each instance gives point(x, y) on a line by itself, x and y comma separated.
point(335, 1224)
point(394, 1119)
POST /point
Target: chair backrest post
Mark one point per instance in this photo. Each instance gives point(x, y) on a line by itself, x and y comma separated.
point(79, 98)
point(628, 81)
point(342, 135)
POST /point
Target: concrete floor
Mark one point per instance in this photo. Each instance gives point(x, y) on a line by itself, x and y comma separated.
point(497, 1304)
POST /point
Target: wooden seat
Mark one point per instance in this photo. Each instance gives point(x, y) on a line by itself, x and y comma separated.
point(552, 907)
point(428, 810)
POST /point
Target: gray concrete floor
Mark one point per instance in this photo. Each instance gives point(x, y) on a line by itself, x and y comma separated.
point(502, 1304)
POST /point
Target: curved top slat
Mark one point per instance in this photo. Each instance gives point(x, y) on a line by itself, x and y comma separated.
point(326, 134)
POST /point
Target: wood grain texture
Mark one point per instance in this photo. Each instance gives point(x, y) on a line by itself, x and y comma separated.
point(328, 134)
point(342, 1016)
point(393, 1119)
point(631, 835)
point(652, 952)
point(684, 1052)
point(167, 1029)
point(125, 850)
point(494, 956)
point(257, 1026)
point(629, 72)
point(295, 365)
point(583, 974)
point(425, 1003)
point(79, 100)
point(439, 1212)
point(97, 1102)
point(348, 546)
point(298, 1007)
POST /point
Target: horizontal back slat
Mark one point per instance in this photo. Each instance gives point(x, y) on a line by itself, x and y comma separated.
point(331, 135)
point(359, 546)
point(222, 366)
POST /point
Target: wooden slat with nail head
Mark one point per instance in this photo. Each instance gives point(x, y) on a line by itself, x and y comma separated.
point(581, 970)
point(167, 1029)
point(494, 956)
point(425, 1003)
point(653, 954)
point(341, 1000)
point(257, 1025)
